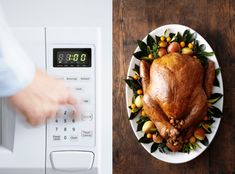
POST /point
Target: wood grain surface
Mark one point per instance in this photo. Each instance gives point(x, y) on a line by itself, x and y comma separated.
point(215, 21)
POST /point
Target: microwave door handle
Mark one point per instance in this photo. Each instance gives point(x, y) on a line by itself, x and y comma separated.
point(7, 125)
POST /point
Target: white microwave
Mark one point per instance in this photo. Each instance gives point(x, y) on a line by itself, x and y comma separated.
point(81, 55)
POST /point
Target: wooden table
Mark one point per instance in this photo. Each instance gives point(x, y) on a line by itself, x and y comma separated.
point(215, 21)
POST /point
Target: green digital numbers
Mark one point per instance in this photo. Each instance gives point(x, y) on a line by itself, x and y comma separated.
point(83, 58)
point(75, 57)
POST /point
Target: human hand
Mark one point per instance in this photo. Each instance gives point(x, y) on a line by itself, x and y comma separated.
point(42, 98)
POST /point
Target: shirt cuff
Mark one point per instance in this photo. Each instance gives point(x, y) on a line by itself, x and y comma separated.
point(16, 69)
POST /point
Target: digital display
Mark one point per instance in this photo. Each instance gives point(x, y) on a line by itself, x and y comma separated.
point(72, 57)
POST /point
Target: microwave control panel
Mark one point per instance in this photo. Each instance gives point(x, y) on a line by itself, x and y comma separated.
point(74, 64)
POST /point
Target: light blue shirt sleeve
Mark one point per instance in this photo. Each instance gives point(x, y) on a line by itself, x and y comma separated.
point(16, 69)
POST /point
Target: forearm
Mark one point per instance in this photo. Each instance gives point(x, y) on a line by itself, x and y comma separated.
point(16, 68)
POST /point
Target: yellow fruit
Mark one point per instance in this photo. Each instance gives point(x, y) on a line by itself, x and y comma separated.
point(162, 44)
point(149, 135)
point(150, 56)
point(138, 101)
point(135, 77)
point(139, 91)
point(168, 39)
point(148, 125)
point(133, 110)
point(182, 44)
point(133, 106)
point(187, 51)
point(143, 113)
point(192, 139)
point(190, 45)
point(162, 38)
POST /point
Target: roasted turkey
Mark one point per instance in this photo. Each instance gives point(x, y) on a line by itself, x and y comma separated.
point(176, 88)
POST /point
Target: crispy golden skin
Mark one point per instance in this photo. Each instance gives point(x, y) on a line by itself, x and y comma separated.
point(174, 94)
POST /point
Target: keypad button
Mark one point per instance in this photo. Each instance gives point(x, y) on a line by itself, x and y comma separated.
point(86, 133)
point(65, 129)
point(71, 78)
point(65, 137)
point(85, 78)
point(73, 137)
point(56, 137)
point(78, 89)
point(86, 116)
point(85, 101)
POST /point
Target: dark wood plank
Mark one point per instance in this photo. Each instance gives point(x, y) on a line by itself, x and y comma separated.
point(132, 20)
point(222, 38)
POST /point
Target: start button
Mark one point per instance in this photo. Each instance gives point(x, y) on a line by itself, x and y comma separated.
point(72, 160)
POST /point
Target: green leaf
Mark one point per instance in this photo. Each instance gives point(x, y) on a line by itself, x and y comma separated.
point(207, 54)
point(133, 97)
point(163, 148)
point(149, 50)
point(150, 41)
point(154, 147)
point(202, 47)
point(146, 58)
point(196, 47)
point(197, 145)
point(139, 127)
point(134, 114)
point(165, 32)
point(191, 146)
point(188, 37)
point(203, 59)
point(208, 131)
point(186, 148)
point(209, 122)
point(193, 38)
point(155, 47)
point(142, 45)
point(207, 128)
point(145, 140)
point(141, 122)
point(171, 35)
point(155, 54)
point(217, 71)
point(214, 98)
point(153, 130)
point(177, 37)
point(214, 112)
point(216, 82)
point(186, 32)
point(136, 69)
point(133, 84)
point(205, 142)
point(157, 39)
point(140, 54)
